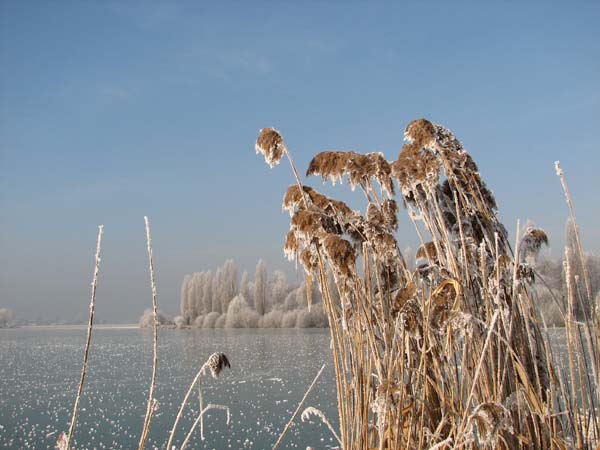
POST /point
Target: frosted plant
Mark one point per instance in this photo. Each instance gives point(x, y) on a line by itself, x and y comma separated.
point(489, 419)
point(458, 323)
point(215, 362)
point(61, 442)
point(271, 145)
point(311, 411)
point(531, 243)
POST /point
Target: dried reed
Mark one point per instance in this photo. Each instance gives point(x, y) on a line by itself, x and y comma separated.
point(64, 442)
point(152, 403)
point(452, 354)
point(216, 362)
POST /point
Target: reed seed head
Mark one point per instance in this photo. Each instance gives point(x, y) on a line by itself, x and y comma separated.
point(341, 254)
point(532, 241)
point(420, 132)
point(359, 168)
point(427, 251)
point(290, 248)
point(271, 145)
point(216, 362)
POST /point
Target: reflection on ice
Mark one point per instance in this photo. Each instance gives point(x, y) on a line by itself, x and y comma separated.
point(39, 372)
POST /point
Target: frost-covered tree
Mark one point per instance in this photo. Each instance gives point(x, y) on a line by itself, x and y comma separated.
point(228, 286)
point(260, 287)
point(240, 314)
point(6, 317)
point(184, 308)
point(179, 322)
point(213, 300)
point(216, 284)
point(278, 290)
point(245, 288)
point(147, 319)
point(195, 295)
point(207, 292)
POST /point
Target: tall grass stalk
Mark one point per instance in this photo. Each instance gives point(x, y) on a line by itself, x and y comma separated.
point(152, 403)
point(216, 362)
point(306, 394)
point(66, 443)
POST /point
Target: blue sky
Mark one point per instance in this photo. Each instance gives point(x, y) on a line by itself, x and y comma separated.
point(110, 111)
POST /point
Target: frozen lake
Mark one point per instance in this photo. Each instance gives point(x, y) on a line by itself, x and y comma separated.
point(270, 371)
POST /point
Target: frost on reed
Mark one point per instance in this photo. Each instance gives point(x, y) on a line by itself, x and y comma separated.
point(64, 439)
point(451, 354)
point(215, 363)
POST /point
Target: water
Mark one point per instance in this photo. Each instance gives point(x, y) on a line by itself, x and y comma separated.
point(271, 370)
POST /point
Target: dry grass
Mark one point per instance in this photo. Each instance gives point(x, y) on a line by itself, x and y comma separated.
point(64, 439)
point(451, 355)
point(215, 363)
point(152, 403)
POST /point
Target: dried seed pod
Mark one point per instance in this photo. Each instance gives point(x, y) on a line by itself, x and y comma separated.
point(329, 165)
point(420, 132)
point(314, 223)
point(271, 145)
point(290, 249)
point(411, 317)
point(428, 251)
point(443, 300)
point(293, 199)
point(309, 259)
point(389, 208)
point(417, 170)
point(403, 295)
point(532, 241)
point(341, 255)
point(374, 214)
point(359, 168)
point(216, 362)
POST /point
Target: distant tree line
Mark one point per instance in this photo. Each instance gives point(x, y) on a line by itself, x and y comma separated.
point(216, 300)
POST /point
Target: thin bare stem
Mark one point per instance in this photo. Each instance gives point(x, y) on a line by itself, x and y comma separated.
point(199, 420)
point(476, 376)
point(183, 403)
point(586, 276)
point(285, 430)
point(151, 400)
point(88, 339)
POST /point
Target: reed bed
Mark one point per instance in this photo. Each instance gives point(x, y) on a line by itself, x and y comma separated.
point(451, 355)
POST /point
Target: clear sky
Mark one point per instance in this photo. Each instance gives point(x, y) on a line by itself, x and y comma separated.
point(110, 111)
